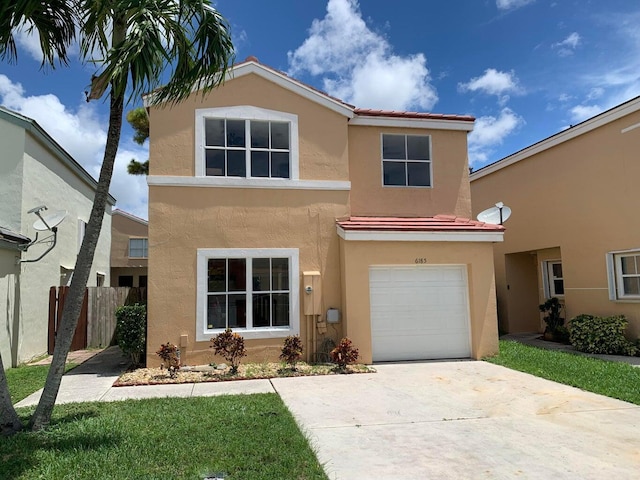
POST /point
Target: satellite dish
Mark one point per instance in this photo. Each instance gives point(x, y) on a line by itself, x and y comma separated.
point(496, 215)
point(49, 221)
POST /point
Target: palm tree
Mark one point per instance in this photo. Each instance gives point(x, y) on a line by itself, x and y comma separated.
point(133, 43)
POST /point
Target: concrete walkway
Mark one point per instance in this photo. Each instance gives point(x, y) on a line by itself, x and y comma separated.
point(93, 381)
point(441, 420)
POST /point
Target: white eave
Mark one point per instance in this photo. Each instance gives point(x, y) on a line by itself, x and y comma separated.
point(423, 236)
point(407, 122)
point(598, 121)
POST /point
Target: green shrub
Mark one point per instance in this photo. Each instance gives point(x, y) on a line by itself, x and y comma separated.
point(131, 330)
point(230, 346)
point(292, 350)
point(344, 354)
point(605, 335)
point(552, 308)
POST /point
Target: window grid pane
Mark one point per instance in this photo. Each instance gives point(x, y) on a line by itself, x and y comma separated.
point(629, 275)
point(227, 148)
point(406, 160)
point(138, 247)
point(227, 294)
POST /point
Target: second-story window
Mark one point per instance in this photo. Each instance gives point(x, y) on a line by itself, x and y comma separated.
point(138, 248)
point(247, 148)
point(406, 160)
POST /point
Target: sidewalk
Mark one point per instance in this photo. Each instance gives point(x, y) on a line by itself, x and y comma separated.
point(534, 340)
point(92, 381)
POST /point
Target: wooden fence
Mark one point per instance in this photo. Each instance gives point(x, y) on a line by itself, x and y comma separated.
point(97, 323)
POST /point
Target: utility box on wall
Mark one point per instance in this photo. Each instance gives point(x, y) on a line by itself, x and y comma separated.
point(312, 286)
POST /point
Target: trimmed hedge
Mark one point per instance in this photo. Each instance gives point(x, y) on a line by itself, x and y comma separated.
point(603, 335)
point(131, 330)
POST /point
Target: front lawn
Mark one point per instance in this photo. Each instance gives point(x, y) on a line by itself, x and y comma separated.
point(241, 436)
point(613, 379)
point(26, 379)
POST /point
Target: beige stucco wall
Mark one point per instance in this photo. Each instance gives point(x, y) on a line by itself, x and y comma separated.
point(578, 196)
point(322, 132)
point(450, 193)
point(122, 229)
point(183, 219)
point(357, 256)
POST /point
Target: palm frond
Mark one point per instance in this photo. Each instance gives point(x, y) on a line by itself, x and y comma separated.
point(54, 21)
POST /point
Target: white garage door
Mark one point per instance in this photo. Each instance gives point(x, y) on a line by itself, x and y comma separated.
point(419, 312)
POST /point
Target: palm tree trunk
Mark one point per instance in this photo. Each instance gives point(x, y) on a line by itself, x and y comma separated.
point(9, 421)
point(73, 301)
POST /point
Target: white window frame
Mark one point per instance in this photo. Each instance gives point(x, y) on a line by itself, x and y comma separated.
point(548, 278)
point(204, 254)
point(247, 112)
point(407, 160)
point(147, 247)
point(614, 275)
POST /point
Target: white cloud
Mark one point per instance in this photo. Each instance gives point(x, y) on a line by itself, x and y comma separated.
point(491, 131)
point(83, 135)
point(583, 112)
point(567, 46)
point(358, 65)
point(493, 82)
point(512, 4)
point(29, 41)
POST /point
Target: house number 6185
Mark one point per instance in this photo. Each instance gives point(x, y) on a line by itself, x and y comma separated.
point(421, 260)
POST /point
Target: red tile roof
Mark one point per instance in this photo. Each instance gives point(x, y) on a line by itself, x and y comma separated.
point(439, 223)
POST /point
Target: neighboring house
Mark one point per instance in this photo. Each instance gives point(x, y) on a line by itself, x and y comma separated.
point(574, 232)
point(34, 171)
point(277, 210)
point(129, 247)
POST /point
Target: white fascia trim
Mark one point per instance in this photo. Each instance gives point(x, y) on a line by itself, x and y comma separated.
point(247, 112)
point(239, 182)
point(564, 136)
point(204, 254)
point(291, 85)
point(384, 236)
point(124, 214)
point(423, 123)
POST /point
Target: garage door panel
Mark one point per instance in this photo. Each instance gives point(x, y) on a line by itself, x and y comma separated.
point(419, 312)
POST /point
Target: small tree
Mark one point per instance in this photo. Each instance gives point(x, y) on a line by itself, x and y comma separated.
point(170, 355)
point(292, 350)
point(344, 354)
point(131, 330)
point(229, 346)
point(554, 321)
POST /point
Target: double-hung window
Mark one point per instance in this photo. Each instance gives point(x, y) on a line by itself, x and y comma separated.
point(246, 142)
point(251, 290)
point(624, 275)
point(138, 247)
point(406, 160)
point(554, 286)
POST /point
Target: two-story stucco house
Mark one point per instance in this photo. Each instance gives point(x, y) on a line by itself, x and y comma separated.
point(275, 209)
point(129, 250)
point(573, 233)
point(36, 171)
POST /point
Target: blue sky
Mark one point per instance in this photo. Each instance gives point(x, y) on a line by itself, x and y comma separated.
point(526, 69)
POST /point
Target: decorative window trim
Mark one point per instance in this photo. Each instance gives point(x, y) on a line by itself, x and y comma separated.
point(547, 278)
point(429, 161)
point(204, 254)
point(246, 112)
point(614, 272)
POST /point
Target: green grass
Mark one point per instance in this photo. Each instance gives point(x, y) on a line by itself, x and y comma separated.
point(244, 436)
point(26, 379)
point(613, 379)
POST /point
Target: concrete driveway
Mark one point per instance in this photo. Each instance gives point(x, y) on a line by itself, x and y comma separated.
point(462, 420)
